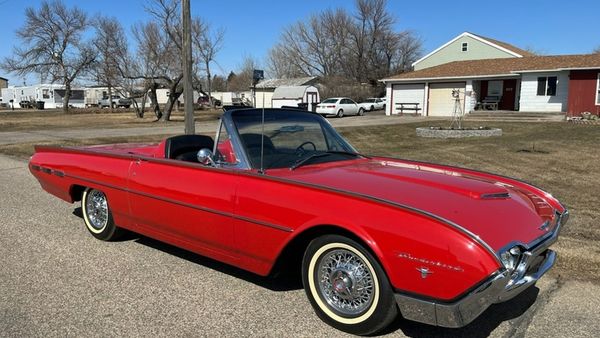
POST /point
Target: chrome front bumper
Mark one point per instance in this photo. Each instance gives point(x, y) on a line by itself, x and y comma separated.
point(499, 287)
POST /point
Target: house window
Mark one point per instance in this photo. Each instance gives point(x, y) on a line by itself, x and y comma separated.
point(45, 93)
point(547, 86)
point(598, 90)
point(465, 46)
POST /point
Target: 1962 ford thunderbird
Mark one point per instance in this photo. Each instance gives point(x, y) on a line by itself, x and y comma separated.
point(372, 236)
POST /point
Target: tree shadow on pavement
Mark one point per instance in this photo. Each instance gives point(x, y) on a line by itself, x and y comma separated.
point(483, 326)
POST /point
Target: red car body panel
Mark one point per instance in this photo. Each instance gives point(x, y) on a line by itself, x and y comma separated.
point(246, 219)
point(461, 197)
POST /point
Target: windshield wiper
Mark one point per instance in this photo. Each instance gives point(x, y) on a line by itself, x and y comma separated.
point(304, 160)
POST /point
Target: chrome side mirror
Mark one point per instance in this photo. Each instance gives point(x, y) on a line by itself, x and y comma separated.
point(205, 156)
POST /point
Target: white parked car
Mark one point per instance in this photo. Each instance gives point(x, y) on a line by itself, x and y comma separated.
point(339, 106)
point(373, 103)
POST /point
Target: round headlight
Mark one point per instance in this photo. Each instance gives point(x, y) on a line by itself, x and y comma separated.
point(510, 258)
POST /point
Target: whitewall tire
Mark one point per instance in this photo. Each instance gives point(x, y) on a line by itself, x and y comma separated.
point(346, 285)
point(97, 215)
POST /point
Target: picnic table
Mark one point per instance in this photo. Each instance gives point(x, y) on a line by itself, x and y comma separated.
point(408, 106)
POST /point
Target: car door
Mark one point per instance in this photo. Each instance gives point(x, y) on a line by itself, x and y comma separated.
point(351, 107)
point(186, 204)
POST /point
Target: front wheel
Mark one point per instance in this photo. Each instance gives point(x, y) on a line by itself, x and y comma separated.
point(346, 286)
point(97, 215)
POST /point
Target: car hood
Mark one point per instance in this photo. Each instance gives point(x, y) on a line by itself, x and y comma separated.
point(495, 211)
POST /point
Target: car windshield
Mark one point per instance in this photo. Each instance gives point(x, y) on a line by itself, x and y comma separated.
point(370, 100)
point(291, 138)
point(330, 101)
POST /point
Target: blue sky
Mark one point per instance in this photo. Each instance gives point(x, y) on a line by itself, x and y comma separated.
point(252, 27)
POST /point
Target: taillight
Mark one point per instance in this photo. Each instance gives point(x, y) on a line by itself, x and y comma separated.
point(332, 106)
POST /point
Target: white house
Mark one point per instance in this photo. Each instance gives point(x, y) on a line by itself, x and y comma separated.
point(469, 46)
point(295, 95)
point(97, 93)
point(228, 98)
point(523, 83)
point(51, 94)
point(263, 91)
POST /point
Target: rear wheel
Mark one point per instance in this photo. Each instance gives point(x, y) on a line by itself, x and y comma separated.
point(361, 112)
point(340, 113)
point(97, 215)
point(346, 286)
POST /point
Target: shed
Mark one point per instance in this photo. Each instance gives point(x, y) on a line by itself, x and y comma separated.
point(294, 95)
point(264, 90)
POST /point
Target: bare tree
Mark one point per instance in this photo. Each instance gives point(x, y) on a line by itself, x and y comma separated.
point(242, 80)
point(219, 83)
point(52, 43)
point(166, 16)
point(207, 44)
point(111, 44)
point(313, 48)
point(596, 50)
point(363, 46)
point(158, 64)
point(372, 25)
point(399, 51)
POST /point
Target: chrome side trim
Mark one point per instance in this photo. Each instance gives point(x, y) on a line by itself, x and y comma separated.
point(187, 205)
point(547, 239)
point(457, 314)
point(428, 214)
point(495, 289)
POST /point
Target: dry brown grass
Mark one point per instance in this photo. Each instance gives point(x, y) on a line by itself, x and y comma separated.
point(561, 158)
point(25, 120)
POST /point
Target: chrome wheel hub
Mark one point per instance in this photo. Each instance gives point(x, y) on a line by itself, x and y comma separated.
point(97, 209)
point(345, 282)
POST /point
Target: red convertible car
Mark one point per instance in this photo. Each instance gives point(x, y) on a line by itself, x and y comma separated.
point(373, 237)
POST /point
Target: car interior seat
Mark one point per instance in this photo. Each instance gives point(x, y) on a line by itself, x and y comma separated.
point(186, 147)
point(253, 143)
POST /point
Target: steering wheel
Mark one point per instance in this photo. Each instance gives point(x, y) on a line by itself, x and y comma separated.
point(300, 149)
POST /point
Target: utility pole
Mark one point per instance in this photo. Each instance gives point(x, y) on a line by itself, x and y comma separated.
point(188, 93)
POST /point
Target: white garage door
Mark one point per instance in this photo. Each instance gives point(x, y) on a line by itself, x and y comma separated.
point(408, 93)
point(441, 102)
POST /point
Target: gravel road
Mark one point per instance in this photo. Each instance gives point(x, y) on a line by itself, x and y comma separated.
point(57, 280)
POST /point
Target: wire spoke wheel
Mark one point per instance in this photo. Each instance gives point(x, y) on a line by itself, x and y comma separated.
point(345, 282)
point(97, 209)
point(97, 215)
point(347, 286)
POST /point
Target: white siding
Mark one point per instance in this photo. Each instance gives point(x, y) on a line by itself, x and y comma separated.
point(470, 97)
point(278, 103)
point(162, 95)
point(263, 99)
point(530, 101)
point(407, 93)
